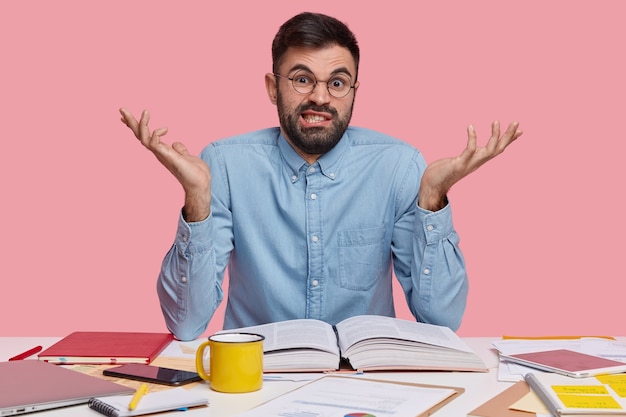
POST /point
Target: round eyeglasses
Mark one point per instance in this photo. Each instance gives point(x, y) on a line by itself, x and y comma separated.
point(304, 82)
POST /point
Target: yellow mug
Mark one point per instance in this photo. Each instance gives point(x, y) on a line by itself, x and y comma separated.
point(236, 362)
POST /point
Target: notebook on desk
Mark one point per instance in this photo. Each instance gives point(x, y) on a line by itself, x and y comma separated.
point(106, 348)
point(31, 385)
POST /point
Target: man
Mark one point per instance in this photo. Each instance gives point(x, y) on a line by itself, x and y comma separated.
point(310, 218)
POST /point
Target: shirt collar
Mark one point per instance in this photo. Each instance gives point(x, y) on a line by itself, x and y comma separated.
point(329, 162)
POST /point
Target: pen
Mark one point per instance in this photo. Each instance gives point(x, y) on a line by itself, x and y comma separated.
point(141, 391)
point(26, 354)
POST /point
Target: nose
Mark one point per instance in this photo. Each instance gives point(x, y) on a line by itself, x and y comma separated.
point(320, 94)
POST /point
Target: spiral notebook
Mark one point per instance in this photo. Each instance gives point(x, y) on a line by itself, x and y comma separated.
point(172, 399)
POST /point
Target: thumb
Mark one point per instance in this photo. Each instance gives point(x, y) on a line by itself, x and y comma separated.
point(180, 148)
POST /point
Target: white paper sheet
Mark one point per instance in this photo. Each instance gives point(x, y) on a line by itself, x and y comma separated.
point(339, 396)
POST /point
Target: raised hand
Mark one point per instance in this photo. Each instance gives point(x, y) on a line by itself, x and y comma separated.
point(191, 171)
point(442, 174)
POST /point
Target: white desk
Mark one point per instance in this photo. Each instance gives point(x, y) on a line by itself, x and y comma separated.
point(478, 386)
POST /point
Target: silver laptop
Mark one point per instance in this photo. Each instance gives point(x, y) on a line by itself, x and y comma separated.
point(33, 385)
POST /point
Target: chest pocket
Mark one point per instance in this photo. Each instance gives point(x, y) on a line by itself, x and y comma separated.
point(361, 255)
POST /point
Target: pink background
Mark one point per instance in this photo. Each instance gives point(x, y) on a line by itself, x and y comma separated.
point(88, 213)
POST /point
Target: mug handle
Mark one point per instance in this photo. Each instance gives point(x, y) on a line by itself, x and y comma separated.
point(200, 361)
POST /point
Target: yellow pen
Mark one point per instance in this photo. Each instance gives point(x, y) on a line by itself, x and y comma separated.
point(141, 391)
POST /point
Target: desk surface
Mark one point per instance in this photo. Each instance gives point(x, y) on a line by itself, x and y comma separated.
point(478, 386)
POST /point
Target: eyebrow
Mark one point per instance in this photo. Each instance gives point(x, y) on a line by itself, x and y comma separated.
point(340, 70)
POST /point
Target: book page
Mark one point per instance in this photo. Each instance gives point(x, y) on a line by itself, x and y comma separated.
point(301, 333)
point(355, 329)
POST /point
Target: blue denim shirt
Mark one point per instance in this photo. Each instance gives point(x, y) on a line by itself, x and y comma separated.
point(312, 241)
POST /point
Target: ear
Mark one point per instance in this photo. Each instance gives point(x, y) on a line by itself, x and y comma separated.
point(270, 86)
point(356, 86)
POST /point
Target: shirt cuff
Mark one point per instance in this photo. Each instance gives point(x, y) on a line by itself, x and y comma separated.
point(434, 225)
point(194, 237)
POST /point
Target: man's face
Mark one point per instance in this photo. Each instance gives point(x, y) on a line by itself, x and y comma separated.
point(313, 122)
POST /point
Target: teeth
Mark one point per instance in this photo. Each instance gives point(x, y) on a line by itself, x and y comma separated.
point(311, 118)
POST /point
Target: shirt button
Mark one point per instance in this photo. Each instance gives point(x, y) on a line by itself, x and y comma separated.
point(185, 239)
point(315, 282)
point(294, 177)
point(315, 239)
point(183, 279)
point(312, 169)
point(430, 227)
point(331, 175)
point(313, 196)
point(426, 271)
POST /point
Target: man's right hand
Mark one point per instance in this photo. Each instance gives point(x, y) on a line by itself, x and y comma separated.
point(191, 171)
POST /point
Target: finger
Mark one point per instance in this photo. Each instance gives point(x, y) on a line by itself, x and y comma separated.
point(510, 131)
point(129, 120)
point(495, 128)
point(495, 136)
point(471, 138)
point(509, 136)
point(471, 147)
point(155, 138)
point(144, 131)
point(514, 128)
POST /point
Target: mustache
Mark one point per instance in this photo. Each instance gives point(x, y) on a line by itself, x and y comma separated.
point(315, 107)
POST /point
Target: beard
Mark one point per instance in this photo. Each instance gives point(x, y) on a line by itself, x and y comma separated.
point(313, 140)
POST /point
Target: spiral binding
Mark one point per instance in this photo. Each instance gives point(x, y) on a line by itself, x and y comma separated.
point(103, 408)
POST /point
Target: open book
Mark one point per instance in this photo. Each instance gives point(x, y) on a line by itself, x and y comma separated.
point(362, 343)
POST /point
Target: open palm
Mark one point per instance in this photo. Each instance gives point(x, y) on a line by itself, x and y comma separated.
point(442, 174)
point(191, 171)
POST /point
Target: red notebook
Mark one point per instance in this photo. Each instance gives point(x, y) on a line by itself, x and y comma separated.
point(106, 348)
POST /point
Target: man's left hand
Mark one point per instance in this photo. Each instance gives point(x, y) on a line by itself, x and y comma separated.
point(442, 174)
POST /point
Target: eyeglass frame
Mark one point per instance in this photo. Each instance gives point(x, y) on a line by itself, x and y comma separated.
point(351, 86)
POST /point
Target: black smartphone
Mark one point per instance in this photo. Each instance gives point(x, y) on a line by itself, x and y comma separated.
point(154, 374)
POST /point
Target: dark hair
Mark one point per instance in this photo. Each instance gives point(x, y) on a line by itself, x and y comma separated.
point(313, 30)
